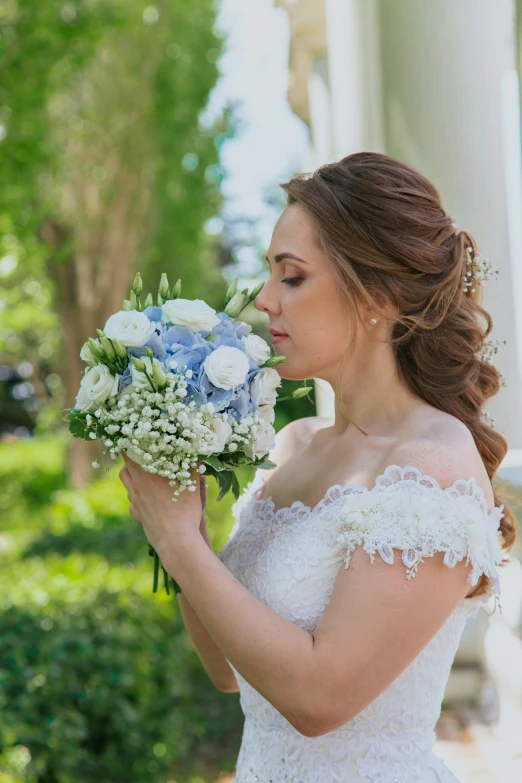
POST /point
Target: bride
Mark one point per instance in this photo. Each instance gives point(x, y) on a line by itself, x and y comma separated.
point(337, 604)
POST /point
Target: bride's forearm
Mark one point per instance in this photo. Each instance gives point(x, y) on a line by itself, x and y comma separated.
point(213, 660)
point(204, 532)
point(274, 655)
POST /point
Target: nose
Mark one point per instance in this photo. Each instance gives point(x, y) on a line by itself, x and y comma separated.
point(265, 302)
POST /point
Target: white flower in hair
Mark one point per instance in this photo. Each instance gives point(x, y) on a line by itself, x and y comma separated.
point(478, 269)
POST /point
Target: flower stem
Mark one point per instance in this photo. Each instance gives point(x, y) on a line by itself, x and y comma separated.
point(166, 580)
point(166, 575)
point(152, 385)
point(156, 573)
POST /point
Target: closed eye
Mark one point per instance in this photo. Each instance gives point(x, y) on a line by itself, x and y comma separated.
point(292, 280)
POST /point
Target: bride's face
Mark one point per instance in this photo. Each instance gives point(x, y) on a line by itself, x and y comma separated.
point(302, 299)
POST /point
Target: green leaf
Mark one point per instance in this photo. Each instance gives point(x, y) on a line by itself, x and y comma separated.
point(211, 472)
point(235, 458)
point(267, 465)
point(225, 482)
point(78, 427)
point(213, 461)
point(236, 489)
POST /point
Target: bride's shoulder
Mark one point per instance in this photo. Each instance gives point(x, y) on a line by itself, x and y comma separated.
point(299, 432)
point(409, 508)
point(294, 437)
point(445, 450)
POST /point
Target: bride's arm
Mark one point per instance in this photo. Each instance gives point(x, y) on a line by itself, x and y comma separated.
point(213, 660)
point(318, 682)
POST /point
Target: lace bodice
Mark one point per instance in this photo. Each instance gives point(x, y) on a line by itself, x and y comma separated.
point(288, 558)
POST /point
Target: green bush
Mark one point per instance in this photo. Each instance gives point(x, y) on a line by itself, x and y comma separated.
point(106, 688)
point(98, 678)
point(30, 471)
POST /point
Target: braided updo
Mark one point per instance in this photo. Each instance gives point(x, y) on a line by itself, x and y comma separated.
point(389, 239)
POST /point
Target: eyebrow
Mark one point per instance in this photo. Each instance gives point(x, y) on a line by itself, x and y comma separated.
point(279, 257)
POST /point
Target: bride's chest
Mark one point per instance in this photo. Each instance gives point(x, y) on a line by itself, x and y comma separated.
point(288, 559)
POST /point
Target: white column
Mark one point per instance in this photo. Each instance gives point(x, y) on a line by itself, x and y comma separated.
point(354, 84)
point(353, 58)
point(450, 91)
point(319, 100)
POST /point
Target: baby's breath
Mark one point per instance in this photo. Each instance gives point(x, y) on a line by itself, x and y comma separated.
point(165, 433)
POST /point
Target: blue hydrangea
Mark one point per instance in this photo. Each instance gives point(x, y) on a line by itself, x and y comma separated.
point(178, 347)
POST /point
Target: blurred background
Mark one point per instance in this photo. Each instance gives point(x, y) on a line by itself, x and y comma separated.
point(153, 137)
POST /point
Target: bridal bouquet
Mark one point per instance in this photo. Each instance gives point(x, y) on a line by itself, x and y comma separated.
point(178, 386)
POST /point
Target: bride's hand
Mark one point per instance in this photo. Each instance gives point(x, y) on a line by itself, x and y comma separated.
point(203, 493)
point(166, 523)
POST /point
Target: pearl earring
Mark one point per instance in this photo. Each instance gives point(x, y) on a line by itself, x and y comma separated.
point(373, 320)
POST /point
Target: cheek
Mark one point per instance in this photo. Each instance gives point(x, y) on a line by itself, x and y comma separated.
point(316, 315)
point(320, 334)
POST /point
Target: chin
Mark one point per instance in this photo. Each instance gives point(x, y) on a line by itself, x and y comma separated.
point(292, 374)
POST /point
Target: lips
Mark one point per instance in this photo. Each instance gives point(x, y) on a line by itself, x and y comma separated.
point(275, 333)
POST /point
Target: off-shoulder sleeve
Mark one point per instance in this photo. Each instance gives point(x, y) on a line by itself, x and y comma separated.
point(419, 518)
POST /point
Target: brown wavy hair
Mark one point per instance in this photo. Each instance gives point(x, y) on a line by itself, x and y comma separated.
point(389, 239)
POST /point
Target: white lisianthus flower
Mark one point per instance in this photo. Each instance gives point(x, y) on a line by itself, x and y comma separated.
point(96, 386)
point(222, 432)
point(262, 440)
point(227, 367)
point(87, 355)
point(257, 348)
point(131, 327)
point(267, 412)
point(194, 314)
point(263, 386)
point(139, 379)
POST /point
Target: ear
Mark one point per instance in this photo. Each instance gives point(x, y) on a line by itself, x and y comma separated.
point(381, 300)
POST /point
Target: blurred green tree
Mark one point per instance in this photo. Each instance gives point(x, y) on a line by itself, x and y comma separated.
point(107, 167)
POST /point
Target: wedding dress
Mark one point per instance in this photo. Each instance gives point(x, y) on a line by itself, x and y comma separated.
point(289, 558)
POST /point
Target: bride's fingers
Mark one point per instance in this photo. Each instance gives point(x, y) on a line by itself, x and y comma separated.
point(134, 514)
point(126, 477)
point(131, 464)
point(203, 491)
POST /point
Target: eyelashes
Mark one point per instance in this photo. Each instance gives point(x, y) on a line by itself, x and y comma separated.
point(291, 281)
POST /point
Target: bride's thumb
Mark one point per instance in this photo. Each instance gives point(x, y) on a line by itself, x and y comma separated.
point(203, 490)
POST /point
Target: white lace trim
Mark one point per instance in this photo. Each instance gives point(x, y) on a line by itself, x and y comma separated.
point(411, 512)
point(407, 510)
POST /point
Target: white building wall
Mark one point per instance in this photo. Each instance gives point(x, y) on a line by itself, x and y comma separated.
point(451, 108)
point(435, 84)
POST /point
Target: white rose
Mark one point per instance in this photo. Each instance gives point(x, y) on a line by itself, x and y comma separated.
point(262, 441)
point(96, 386)
point(222, 431)
point(257, 348)
point(264, 385)
point(194, 314)
point(139, 379)
point(267, 412)
point(130, 327)
point(227, 367)
point(87, 355)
